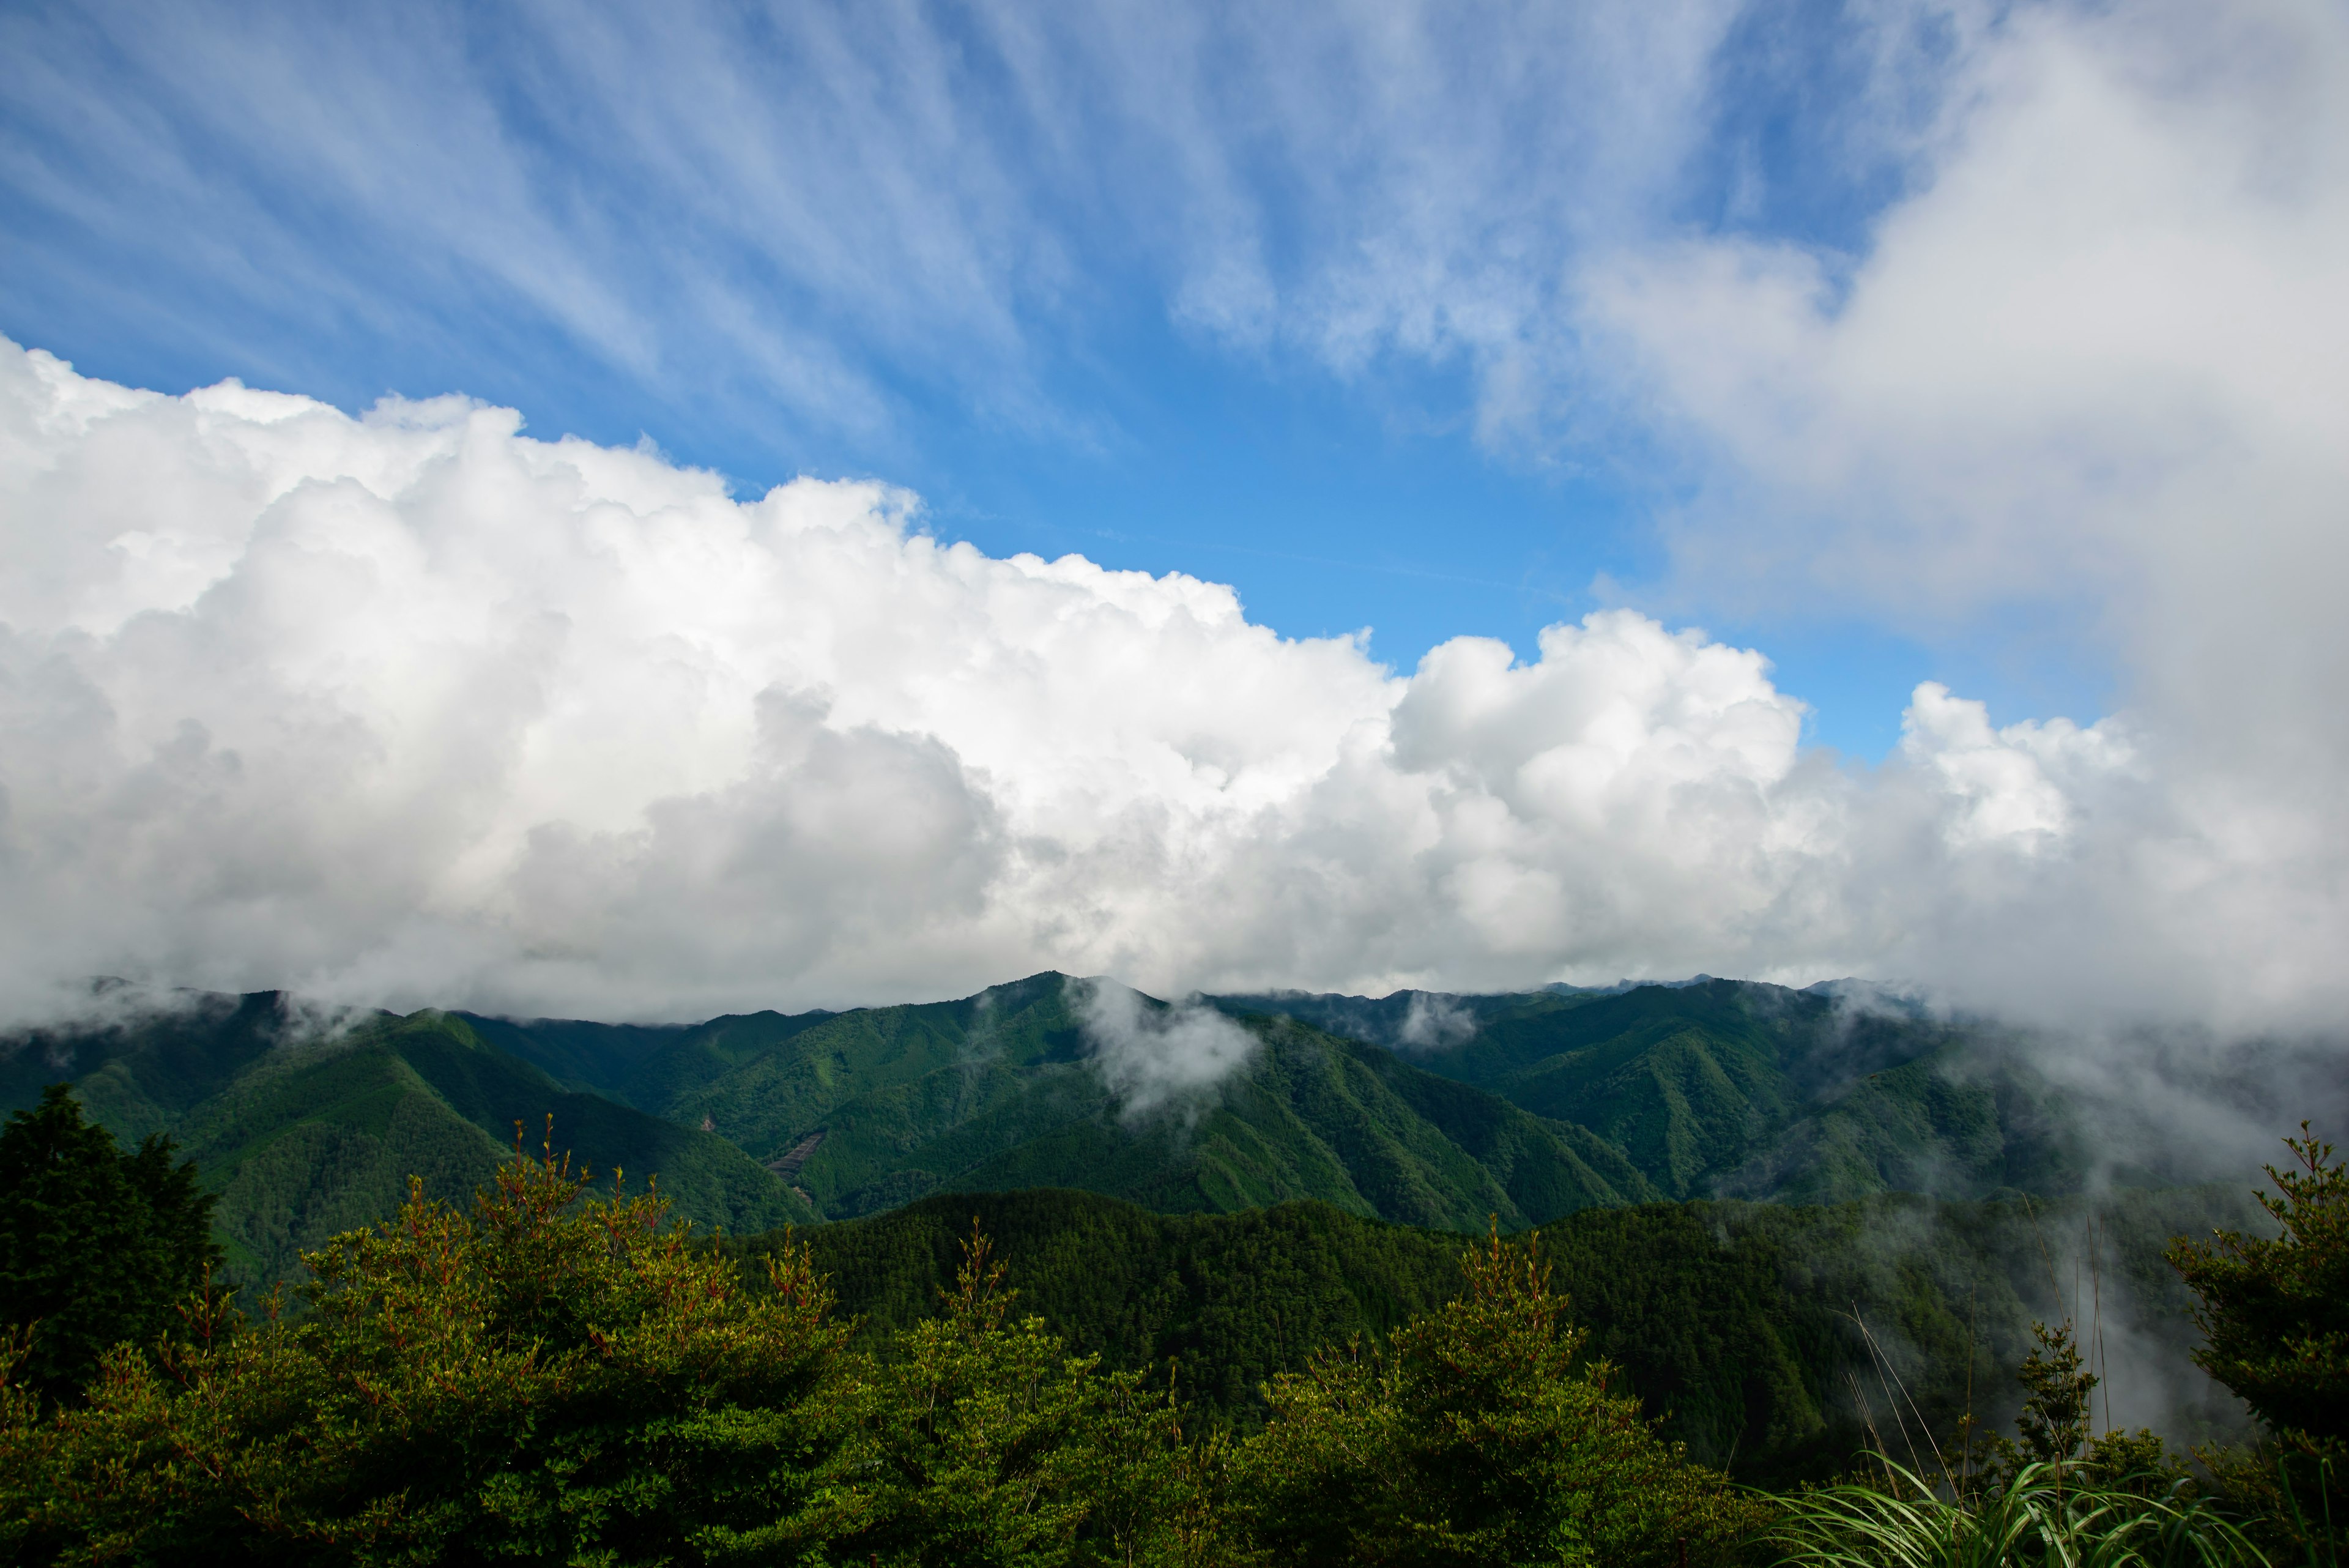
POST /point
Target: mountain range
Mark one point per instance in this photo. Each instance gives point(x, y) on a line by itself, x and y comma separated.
point(1419, 1108)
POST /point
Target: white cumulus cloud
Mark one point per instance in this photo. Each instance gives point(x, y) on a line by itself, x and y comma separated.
point(413, 708)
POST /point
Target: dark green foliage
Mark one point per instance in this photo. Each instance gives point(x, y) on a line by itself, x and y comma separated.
point(522, 1382)
point(550, 1378)
point(1230, 1300)
point(97, 1246)
point(2140, 1461)
point(2029, 1516)
point(649, 1067)
point(1774, 1341)
point(2053, 1424)
point(2050, 1494)
point(1542, 1104)
point(977, 1439)
point(139, 1070)
point(2053, 1431)
point(1477, 1434)
point(306, 1130)
point(2291, 1500)
point(555, 1377)
point(1731, 1321)
point(2275, 1311)
point(873, 1108)
point(1692, 1303)
point(1684, 1079)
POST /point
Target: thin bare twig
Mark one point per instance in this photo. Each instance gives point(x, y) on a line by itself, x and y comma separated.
point(1884, 1366)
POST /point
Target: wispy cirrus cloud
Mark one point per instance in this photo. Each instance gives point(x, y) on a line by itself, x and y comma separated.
point(817, 212)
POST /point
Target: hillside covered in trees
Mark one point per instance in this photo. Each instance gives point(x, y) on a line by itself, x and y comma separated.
point(1418, 1109)
point(1764, 1337)
point(306, 1130)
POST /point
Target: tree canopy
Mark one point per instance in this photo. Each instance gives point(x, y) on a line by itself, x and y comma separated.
point(560, 1376)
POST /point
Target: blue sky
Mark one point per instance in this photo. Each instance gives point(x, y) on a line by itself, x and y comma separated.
point(1286, 308)
point(1982, 364)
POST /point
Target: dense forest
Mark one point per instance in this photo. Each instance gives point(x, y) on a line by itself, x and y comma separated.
point(561, 1372)
point(1740, 1325)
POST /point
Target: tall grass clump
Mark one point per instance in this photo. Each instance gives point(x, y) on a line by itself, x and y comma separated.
point(2035, 1515)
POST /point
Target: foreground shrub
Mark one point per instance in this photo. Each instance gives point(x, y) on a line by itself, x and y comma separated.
point(2275, 1311)
point(550, 1377)
point(977, 1439)
point(1471, 1437)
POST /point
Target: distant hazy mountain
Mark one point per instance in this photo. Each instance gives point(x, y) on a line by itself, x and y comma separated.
point(1421, 1108)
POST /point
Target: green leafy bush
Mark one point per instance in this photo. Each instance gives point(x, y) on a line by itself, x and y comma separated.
point(979, 1440)
point(558, 1376)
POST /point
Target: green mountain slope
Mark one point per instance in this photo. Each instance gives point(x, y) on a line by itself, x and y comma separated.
point(1232, 1298)
point(305, 1133)
point(140, 1073)
point(1713, 1088)
point(644, 1065)
point(1438, 1112)
point(869, 1109)
point(1733, 1089)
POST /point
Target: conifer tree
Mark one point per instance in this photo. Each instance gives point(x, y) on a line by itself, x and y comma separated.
point(980, 1441)
point(2275, 1311)
point(1474, 1436)
point(2054, 1419)
point(2275, 1314)
point(97, 1246)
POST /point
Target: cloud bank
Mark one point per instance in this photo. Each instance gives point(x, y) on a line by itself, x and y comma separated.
point(413, 708)
point(2090, 375)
